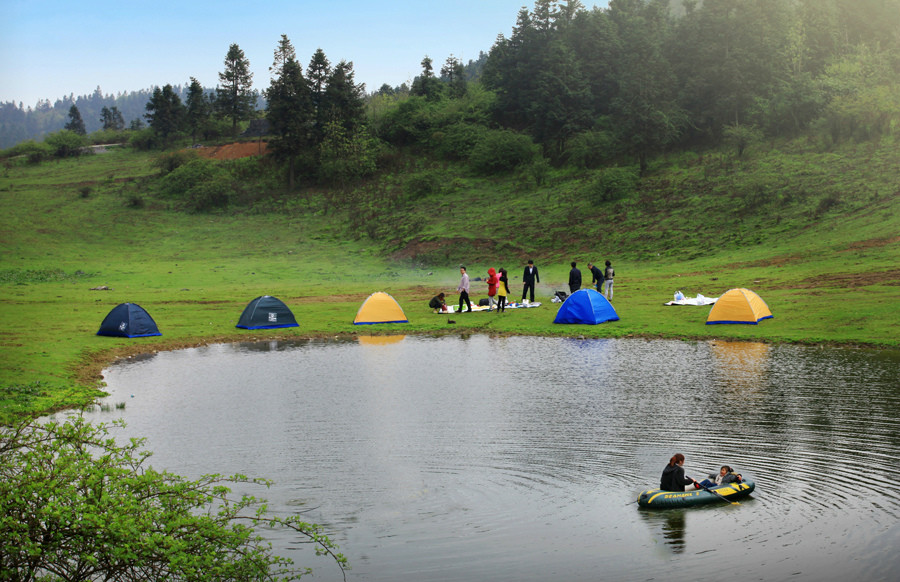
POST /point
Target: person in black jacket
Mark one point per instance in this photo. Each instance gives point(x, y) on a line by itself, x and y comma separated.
point(596, 276)
point(438, 303)
point(529, 278)
point(574, 279)
point(673, 477)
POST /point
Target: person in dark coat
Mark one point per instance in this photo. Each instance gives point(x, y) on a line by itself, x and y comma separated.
point(574, 279)
point(596, 276)
point(438, 303)
point(673, 477)
point(529, 278)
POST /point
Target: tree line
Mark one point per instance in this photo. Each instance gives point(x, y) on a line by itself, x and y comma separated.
point(639, 77)
point(570, 85)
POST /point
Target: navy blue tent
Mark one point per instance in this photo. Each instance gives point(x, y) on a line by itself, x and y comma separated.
point(266, 312)
point(586, 306)
point(128, 320)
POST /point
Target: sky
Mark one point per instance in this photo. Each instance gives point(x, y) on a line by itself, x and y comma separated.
point(50, 48)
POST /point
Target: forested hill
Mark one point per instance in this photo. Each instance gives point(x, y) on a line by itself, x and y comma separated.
point(20, 122)
point(595, 86)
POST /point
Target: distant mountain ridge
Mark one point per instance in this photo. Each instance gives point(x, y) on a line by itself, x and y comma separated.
point(20, 123)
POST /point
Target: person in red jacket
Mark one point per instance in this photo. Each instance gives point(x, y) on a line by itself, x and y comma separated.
point(492, 282)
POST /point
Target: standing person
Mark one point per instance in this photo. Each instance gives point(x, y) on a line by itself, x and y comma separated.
point(608, 280)
point(673, 477)
point(463, 289)
point(492, 282)
point(529, 278)
point(502, 291)
point(596, 276)
point(574, 279)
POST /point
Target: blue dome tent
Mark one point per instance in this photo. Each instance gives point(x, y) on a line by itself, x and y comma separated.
point(128, 320)
point(266, 312)
point(586, 306)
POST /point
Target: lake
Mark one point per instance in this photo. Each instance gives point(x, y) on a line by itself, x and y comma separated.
point(519, 458)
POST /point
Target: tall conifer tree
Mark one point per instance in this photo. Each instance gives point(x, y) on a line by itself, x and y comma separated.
point(235, 98)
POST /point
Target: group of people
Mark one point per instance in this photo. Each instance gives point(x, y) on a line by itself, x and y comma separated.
point(602, 279)
point(498, 286)
point(674, 479)
point(498, 290)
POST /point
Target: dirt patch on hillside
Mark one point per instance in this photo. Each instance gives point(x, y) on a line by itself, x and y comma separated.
point(233, 151)
point(873, 243)
point(849, 280)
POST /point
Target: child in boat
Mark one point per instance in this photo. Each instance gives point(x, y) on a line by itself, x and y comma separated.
point(725, 476)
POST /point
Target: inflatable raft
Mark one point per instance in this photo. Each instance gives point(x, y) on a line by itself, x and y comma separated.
point(659, 499)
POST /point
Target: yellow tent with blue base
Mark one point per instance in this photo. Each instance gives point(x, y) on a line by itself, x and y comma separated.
point(380, 307)
point(739, 306)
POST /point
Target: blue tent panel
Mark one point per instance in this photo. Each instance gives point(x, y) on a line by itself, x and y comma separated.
point(266, 312)
point(586, 306)
point(128, 320)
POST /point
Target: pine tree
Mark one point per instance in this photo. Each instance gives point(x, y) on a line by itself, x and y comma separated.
point(199, 108)
point(235, 99)
point(290, 114)
point(75, 123)
point(317, 74)
point(165, 112)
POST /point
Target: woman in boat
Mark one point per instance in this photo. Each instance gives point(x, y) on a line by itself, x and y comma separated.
point(673, 477)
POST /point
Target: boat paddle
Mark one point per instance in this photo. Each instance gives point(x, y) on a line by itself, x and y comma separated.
point(717, 494)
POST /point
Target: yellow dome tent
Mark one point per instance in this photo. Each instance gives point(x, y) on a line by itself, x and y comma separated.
point(739, 306)
point(380, 307)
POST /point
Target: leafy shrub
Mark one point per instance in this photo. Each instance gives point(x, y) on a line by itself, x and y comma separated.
point(168, 163)
point(591, 149)
point(33, 151)
point(424, 184)
point(77, 505)
point(66, 143)
point(202, 185)
point(106, 136)
point(458, 140)
point(501, 151)
point(143, 140)
point(612, 184)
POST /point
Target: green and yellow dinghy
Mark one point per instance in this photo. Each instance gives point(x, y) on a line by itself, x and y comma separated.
point(659, 499)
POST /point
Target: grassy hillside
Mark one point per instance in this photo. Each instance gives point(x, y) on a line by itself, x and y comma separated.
point(814, 233)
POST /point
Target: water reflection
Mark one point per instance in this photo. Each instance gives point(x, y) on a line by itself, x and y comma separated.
point(520, 458)
point(379, 340)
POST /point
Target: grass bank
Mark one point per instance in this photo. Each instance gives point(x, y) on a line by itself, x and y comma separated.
point(814, 233)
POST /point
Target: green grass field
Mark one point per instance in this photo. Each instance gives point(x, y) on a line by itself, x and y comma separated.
point(817, 235)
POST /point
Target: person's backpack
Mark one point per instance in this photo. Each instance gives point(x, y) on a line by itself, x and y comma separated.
point(610, 273)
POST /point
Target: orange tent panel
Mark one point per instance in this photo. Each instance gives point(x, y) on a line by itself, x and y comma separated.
point(739, 306)
point(380, 307)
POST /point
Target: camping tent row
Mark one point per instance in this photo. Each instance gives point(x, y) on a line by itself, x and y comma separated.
point(265, 312)
point(585, 306)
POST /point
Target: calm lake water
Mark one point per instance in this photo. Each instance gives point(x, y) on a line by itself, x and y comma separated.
point(519, 459)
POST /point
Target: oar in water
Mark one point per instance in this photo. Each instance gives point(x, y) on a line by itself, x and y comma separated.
point(717, 494)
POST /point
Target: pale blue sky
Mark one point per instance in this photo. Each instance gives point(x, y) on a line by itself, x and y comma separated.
point(50, 48)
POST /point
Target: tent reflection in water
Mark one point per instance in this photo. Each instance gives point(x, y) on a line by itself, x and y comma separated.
point(128, 320)
point(379, 307)
point(266, 312)
point(586, 306)
point(739, 306)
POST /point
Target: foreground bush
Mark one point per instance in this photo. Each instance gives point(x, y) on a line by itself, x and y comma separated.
point(76, 505)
